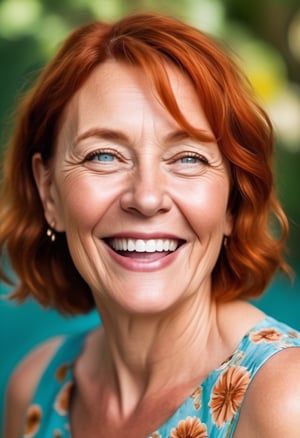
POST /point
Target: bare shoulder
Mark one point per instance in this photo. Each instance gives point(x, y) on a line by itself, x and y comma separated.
point(272, 403)
point(22, 386)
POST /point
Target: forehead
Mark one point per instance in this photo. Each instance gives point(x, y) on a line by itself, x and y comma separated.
point(118, 93)
point(114, 78)
point(113, 74)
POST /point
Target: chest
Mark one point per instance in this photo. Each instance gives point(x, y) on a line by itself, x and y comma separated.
point(102, 419)
point(211, 408)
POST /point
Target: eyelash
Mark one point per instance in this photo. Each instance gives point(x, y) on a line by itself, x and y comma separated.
point(94, 154)
point(203, 160)
point(183, 155)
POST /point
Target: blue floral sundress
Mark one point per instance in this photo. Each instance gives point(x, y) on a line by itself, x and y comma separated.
point(212, 410)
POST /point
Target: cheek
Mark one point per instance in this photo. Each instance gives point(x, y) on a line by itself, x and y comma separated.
point(205, 204)
point(83, 201)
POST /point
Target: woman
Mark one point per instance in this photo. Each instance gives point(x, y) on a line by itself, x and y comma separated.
point(143, 186)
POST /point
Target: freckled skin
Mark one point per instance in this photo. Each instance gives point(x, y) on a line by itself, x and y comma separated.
point(122, 166)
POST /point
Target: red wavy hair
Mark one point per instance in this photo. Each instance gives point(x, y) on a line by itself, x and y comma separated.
point(241, 127)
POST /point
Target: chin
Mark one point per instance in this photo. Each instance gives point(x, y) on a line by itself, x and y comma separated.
point(152, 306)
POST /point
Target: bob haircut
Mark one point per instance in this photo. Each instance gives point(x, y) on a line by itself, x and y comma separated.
point(243, 131)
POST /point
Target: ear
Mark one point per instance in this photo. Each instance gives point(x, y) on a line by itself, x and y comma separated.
point(43, 176)
point(228, 224)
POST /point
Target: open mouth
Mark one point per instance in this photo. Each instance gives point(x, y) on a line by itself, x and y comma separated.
point(143, 248)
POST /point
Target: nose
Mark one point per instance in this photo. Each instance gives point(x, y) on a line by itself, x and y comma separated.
point(146, 193)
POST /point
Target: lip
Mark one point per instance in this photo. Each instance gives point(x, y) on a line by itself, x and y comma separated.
point(143, 265)
point(144, 236)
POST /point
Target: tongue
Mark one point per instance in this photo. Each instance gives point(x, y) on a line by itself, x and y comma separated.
point(148, 256)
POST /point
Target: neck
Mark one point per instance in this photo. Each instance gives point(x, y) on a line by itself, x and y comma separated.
point(142, 354)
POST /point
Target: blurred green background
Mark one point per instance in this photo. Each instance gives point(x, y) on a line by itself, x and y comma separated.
point(265, 34)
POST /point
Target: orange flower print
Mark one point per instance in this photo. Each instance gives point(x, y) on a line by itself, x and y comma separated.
point(62, 371)
point(191, 427)
point(236, 358)
point(228, 394)
point(294, 335)
point(62, 402)
point(266, 335)
point(196, 396)
point(33, 421)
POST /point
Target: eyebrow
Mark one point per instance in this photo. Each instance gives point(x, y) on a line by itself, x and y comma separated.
point(116, 135)
point(177, 136)
point(103, 133)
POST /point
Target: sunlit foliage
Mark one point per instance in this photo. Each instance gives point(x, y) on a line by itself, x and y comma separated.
point(265, 34)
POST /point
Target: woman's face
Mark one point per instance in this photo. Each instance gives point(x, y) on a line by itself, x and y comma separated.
point(143, 205)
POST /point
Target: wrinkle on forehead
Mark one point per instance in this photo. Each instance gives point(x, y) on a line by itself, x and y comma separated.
point(107, 95)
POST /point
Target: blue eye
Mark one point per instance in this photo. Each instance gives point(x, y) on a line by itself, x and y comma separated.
point(192, 159)
point(105, 157)
point(189, 160)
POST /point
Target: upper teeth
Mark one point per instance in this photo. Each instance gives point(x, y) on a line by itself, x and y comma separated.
point(140, 245)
